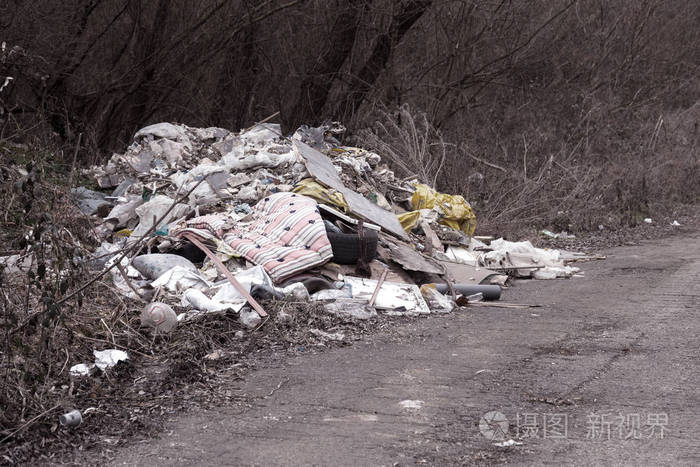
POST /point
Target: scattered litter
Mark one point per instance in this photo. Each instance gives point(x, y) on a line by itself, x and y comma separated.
point(552, 272)
point(321, 168)
point(332, 294)
point(561, 235)
point(71, 419)
point(215, 355)
point(461, 255)
point(647, 220)
point(81, 369)
point(522, 259)
point(412, 404)
point(200, 302)
point(108, 358)
point(413, 260)
point(228, 293)
point(508, 443)
point(675, 223)
point(453, 210)
point(474, 298)
point(544, 274)
point(154, 209)
point(90, 202)
point(471, 274)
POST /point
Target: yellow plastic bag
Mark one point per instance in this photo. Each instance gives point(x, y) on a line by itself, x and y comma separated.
point(454, 210)
point(409, 220)
point(311, 188)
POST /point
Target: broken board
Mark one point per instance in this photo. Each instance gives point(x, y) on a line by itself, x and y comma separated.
point(391, 296)
point(321, 168)
point(410, 259)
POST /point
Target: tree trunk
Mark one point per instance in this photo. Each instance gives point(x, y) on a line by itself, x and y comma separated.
point(361, 84)
point(318, 82)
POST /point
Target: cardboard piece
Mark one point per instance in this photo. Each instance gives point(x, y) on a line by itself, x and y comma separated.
point(321, 168)
point(391, 296)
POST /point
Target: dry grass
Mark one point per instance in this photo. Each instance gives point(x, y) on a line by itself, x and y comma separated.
point(409, 142)
point(642, 163)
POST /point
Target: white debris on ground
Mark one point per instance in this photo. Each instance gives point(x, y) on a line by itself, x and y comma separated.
point(526, 260)
point(508, 443)
point(412, 404)
point(104, 359)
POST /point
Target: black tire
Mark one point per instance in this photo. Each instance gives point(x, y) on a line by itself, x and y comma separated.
point(347, 247)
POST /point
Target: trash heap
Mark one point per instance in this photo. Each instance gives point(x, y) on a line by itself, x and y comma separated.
point(204, 220)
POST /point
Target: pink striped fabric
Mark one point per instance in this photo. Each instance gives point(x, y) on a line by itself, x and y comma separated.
point(285, 237)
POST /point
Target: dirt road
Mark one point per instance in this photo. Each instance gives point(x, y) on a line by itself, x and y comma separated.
point(604, 373)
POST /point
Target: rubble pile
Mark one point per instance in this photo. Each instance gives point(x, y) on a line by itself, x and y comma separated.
point(214, 221)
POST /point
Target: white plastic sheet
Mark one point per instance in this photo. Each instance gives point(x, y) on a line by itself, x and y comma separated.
point(179, 279)
point(505, 253)
point(197, 300)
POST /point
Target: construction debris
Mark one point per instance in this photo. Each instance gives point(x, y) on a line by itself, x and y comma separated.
point(212, 221)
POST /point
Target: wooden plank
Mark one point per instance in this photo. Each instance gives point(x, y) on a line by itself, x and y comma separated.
point(413, 260)
point(321, 168)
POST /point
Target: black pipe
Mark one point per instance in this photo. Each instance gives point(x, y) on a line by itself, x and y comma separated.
point(490, 292)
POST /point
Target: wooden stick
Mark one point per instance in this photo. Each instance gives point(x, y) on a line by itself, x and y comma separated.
point(120, 268)
point(264, 120)
point(503, 305)
point(379, 286)
point(490, 164)
point(510, 268)
point(29, 423)
point(75, 158)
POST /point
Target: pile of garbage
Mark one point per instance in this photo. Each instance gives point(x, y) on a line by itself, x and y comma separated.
point(204, 220)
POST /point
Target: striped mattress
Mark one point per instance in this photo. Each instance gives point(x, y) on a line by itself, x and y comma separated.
point(285, 235)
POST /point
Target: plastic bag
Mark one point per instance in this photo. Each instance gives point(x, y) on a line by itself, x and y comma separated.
point(311, 188)
point(409, 220)
point(435, 300)
point(454, 210)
